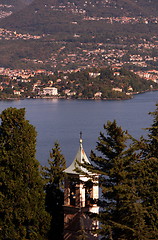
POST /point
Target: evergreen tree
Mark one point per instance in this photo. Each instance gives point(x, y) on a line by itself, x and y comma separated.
point(82, 233)
point(153, 135)
point(23, 214)
point(54, 177)
point(122, 214)
point(148, 181)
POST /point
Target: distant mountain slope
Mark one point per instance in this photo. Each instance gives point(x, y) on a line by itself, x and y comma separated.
point(38, 17)
point(16, 3)
point(80, 29)
point(8, 7)
point(46, 16)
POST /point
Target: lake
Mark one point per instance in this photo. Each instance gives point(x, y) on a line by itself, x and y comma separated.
point(62, 120)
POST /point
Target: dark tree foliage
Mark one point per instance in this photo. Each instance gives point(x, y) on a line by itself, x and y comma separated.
point(122, 214)
point(23, 214)
point(153, 135)
point(148, 181)
point(82, 234)
point(54, 178)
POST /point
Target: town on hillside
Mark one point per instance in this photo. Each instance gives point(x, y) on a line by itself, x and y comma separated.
point(103, 51)
point(103, 83)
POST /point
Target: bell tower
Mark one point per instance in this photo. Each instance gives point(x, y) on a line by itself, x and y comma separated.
point(81, 194)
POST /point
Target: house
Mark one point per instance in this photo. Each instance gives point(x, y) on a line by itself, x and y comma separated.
point(94, 75)
point(130, 88)
point(117, 89)
point(116, 73)
point(98, 95)
point(51, 91)
point(17, 92)
point(71, 93)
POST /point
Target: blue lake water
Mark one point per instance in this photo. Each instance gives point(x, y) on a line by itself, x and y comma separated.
point(62, 120)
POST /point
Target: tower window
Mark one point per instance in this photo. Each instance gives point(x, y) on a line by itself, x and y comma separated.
point(88, 193)
point(73, 194)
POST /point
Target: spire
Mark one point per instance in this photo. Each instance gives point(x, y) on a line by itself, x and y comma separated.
point(80, 157)
point(81, 139)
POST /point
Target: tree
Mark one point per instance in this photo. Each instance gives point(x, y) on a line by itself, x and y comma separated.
point(148, 181)
point(153, 135)
point(23, 214)
point(54, 177)
point(122, 214)
point(82, 233)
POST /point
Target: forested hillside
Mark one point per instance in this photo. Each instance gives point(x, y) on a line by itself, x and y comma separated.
point(56, 29)
point(12, 6)
point(47, 16)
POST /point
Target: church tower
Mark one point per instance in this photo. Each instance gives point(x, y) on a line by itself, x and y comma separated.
point(81, 194)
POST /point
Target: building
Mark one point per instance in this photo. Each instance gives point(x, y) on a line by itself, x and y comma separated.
point(81, 194)
point(51, 91)
point(94, 75)
point(17, 92)
point(117, 89)
point(98, 95)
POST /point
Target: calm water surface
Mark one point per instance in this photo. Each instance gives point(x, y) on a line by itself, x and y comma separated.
point(62, 120)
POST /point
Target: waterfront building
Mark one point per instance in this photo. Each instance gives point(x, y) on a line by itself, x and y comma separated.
point(52, 91)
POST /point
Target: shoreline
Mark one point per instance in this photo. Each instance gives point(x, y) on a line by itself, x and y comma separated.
point(69, 98)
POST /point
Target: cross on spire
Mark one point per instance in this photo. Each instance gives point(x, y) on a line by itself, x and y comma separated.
point(80, 135)
point(80, 139)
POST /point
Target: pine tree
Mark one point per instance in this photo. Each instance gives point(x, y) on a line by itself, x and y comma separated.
point(122, 214)
point(54, 177)
point(153, 135)
point(82, 233)
point(148, 181)
point(23, 214)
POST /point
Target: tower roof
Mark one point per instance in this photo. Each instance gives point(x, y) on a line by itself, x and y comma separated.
point(80, 157)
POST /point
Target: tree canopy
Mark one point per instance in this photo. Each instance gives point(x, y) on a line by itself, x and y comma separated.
point(54, 180)
point(129, 182)
point(148, 171)
point(31, 205)
point(22, 196)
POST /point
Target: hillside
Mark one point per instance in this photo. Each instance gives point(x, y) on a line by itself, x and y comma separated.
point(104, 83)
point(45, 16)
point(60, 34)
point(8, 7)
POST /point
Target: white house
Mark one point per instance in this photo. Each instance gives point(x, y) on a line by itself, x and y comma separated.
point(98, 94)
point(117, 89)
point(17, 92)
point(52, 91)
point(94, 75)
